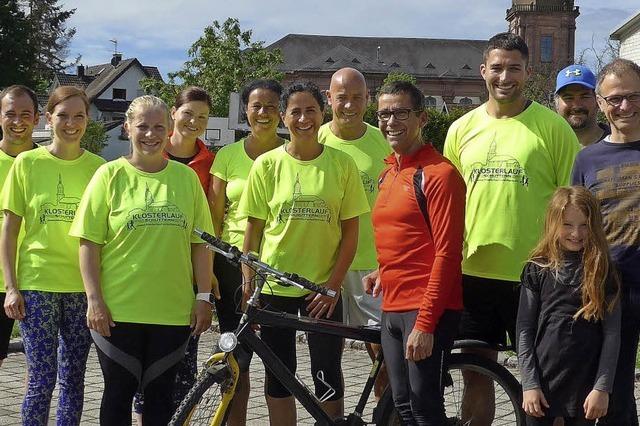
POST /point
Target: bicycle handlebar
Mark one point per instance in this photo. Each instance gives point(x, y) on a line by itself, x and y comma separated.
point(232, 253)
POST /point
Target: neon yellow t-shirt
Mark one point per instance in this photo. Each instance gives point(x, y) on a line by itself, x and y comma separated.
point(232, 165)
point(144, 222)
point(511, 167)
point(302, 204)
point(6, 161)
point(369, 152)
point(46, 190)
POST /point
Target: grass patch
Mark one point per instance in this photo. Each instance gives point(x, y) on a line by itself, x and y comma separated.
point(16, 331)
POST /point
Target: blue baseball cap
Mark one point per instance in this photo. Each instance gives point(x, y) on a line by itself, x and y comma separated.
point(575, 74)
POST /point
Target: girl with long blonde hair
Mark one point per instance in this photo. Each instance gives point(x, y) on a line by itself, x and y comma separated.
point(568, 324)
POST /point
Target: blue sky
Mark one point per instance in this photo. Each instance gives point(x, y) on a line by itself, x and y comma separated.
point(159, 32)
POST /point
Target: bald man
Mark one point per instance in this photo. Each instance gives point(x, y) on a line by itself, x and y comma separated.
point(348, 132)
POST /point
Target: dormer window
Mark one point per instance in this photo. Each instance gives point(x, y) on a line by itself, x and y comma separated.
point(330, 60)
point(430, 66)
point(466, 67)
point(430, 102)
point(355, 61)
point(395, 65)
point(120, 94)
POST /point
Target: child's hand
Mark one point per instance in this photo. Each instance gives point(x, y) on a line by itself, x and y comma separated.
point(596, 404)
point(532, 402)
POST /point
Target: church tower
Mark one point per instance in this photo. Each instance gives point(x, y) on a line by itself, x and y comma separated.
point(548, 27)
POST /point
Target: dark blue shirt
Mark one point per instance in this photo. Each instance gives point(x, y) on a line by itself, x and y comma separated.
point(611, 171)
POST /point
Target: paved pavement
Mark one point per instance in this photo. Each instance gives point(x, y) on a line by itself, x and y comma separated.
point(355, 366)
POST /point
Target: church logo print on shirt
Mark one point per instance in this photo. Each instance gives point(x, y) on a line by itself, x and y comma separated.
point(304, 207)
point(62, 210)
point(155, 213)
point(499, 168)
point(368, 183)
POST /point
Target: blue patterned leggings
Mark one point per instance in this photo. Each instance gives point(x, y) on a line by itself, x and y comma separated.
point(56, 342)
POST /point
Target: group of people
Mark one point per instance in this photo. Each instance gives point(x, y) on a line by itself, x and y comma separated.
point(483, 241)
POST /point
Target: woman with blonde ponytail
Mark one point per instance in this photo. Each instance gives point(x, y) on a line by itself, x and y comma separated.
point(568, 324)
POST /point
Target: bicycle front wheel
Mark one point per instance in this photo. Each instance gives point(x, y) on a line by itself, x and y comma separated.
point(204, 401)
point(508, 394)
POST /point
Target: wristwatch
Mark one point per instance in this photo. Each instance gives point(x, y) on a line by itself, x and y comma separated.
point(206, 297)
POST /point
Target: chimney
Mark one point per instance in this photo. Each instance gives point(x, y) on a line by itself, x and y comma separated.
point(117, 57)
point(80, 71)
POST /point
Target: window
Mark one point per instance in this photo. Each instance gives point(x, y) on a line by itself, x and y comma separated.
point(120, 94)
point(430, 102)
point(546, 48)
point(465, 101)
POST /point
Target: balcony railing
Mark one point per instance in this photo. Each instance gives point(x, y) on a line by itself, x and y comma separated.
point(542, 8)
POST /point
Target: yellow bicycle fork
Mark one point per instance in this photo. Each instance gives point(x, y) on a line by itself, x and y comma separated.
point(228, 388)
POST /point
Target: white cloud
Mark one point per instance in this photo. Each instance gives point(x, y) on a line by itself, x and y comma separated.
point(160, 32)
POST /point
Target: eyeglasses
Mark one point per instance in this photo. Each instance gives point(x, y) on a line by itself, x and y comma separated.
point(616, 100)
point(399, 114)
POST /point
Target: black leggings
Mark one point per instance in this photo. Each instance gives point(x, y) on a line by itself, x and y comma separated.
point(325, 351)
point(6, 326)
point(139, 357)
point(417, 386)
point(622, 403)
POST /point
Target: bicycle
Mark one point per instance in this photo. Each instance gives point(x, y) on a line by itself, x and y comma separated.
point(207, 402)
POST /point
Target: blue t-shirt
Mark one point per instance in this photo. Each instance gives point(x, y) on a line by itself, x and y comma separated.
point(611, 171)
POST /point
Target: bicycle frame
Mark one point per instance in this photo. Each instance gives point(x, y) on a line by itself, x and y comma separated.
point(245, 334)
point(253, 314)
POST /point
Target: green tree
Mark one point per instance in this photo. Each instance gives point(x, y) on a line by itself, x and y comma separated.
point(438, 124)
point(221, 61)
point(16, 54)
point(49, 37)
point(540, 85)
point(95, 137)
point(398, 76)
point(34, 41)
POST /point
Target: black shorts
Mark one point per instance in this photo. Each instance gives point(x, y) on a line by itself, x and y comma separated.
point(6, 326)
point(325, 350)
point(490, 309)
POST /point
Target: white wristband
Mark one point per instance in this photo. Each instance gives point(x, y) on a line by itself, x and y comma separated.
point(205, 297)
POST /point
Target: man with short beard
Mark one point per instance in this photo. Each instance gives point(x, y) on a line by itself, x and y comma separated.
point(347, 132)
point(610, 169)
point(513, 153)
point(18, 117)
point(575, 101)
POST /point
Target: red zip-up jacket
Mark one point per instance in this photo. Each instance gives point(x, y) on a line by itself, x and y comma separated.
point(418, 221)
point(201, 164)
